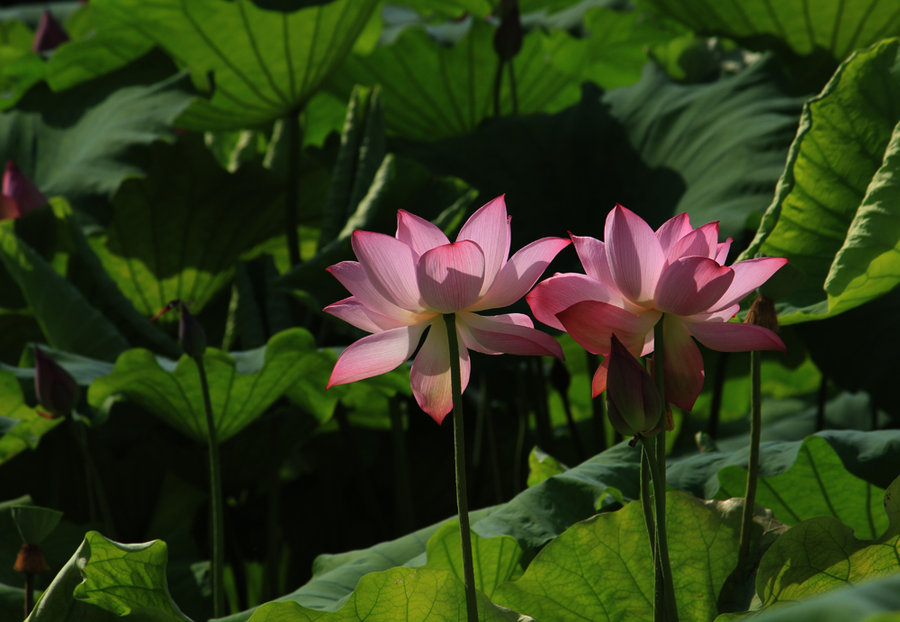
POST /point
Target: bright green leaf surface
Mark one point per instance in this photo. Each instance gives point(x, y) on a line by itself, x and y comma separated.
point(35, 523)
point(105, 581)
point(177, 233)
point(242, 386)
point(867, 602)
point(264, 63)
point(495, 560)
point(67, 319)
point(420, 594)
point(833, 25)
point(821, 554)
point(836, 210)
point(816, 485)
point(542, 465)
point(19, 70)
point(31, 426)
point(601, 568)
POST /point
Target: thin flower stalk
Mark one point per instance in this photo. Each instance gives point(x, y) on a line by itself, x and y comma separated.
point(459, 461)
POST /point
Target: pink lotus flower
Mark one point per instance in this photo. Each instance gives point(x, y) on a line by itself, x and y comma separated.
point(19, 194)
point(638, 276)
point(403, 285)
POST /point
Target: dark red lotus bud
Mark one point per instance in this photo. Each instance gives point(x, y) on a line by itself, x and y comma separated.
point(20, 195)
point(49, 34)
point(509, 35)
point(30, 560)
point(191, 334)
point(56, 389)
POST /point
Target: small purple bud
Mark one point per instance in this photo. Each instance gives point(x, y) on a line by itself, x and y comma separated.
point(49, 34)
point(191, 334)
point(56, 389)
point(509, 35)
point(633, 402)
point(20, 195)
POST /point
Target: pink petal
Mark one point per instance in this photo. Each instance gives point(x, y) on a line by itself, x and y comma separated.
point(592, 324)
point(9, 208)
point(748, 275)
point(430, 373)
point(418, 233)
point(450, 276)
point(511, 333)
point(354, 312)
point(352, 276)
point(722, 251)
point(673, 230)
point(376, 354)
point(702, 242)
point(635, 254)
point(692, 284)
point(489, 228)
point(592, 253)
point(390, 265)
point(520, 273)
point(598, 382)
point(683, 364)
point(561, 291)
point(734, 337)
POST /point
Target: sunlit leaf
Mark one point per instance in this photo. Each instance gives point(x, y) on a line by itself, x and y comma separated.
point(27, 433)
point(495, 560)
point(821, 554)
point(601, 568)
point(542, 465)
point(105, 581)
point(816, 485)
point(242, 385)
point(263, 63)
point(834, 26)
point(835, 214)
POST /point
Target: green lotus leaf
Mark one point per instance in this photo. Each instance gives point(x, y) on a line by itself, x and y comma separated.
point(817, 484)
point(242, 385)
point(836, 212)
point(29, 425)
point(258, 64)
point(105, 581)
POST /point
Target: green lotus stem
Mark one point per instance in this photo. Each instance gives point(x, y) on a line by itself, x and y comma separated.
point(646, 503)
point(753, 460)
point(459, 456)
point(512, 89)
point(292, 179)
point(217, 507)
point(498, 85)
point(665, 607)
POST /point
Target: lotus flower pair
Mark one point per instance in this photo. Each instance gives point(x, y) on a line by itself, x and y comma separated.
point(402, 285)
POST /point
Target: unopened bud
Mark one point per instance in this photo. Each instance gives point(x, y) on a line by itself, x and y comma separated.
point(633, 401)
point(30, 560)
point(509, 35)
point(762, 313)
point(191, 334)
point(20, 195)
point(56, 389)
point(49, 34)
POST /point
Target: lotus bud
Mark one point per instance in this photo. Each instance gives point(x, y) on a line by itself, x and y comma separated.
point(508, 38)
point(762, 313)
point(633, 401)
point(20, 195)
point(191, 334)
point(56, 389)
point(49, 34)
